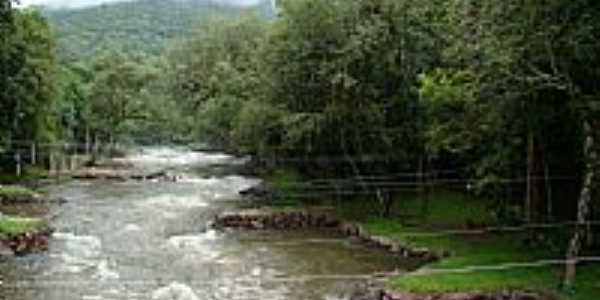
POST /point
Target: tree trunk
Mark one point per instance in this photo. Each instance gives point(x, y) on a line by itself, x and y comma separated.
point(534, 205)
point(583, 206)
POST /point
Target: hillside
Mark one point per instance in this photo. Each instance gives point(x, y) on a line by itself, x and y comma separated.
point(139, 26)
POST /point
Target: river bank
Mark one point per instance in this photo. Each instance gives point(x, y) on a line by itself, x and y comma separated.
point(22, 232)
point(320, 218)
point(479, 261)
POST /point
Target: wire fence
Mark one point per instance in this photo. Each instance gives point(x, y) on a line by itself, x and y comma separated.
point(389, 183)
point(302, 278)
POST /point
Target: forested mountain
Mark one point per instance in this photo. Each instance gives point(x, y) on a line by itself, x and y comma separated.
point(143, 25)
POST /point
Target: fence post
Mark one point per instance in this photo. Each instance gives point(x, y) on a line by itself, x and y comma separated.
point(33, 154)
point(63, 164)
point(51, 162)
point(18, 161)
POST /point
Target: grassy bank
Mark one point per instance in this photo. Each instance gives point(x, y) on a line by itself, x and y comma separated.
point(17, 194)
point(10, 226)
point(482, 262)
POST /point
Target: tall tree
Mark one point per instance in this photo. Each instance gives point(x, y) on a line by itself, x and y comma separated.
point(28, 83)
point(117, 93)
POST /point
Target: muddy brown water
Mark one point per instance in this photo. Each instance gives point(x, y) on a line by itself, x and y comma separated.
point(149, 240)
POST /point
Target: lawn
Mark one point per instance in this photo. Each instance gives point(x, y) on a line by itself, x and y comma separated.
point(493, 255)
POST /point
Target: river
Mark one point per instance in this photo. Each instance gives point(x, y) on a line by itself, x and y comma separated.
point(150, 240)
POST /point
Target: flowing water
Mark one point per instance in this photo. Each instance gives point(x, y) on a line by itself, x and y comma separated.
point(149, 240)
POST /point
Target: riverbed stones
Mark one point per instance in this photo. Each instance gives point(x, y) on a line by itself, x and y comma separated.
point(175, 291)
point(5, 250)
point(267, 219)
point(367, 294)
point(29, 242)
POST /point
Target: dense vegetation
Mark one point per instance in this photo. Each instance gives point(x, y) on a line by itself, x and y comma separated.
point(132, 26)
point(502, 93)
point(29, 78)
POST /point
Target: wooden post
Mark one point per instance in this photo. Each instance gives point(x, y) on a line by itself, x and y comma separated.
point(33, 154)
point(18, 161)
point(51, 163)
point(63, 164)
point(72, 162)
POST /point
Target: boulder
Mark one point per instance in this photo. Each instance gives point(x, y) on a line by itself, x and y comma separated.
point(256, 224)
point(367, 294)
point(175, 291)
point(5, 250)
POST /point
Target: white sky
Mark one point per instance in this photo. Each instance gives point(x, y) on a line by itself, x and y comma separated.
point(84, 3)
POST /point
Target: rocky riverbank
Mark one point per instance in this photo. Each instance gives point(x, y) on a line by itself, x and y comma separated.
point(19, 195)
point(269, 219)
point(382, 294)
point(23, 235)
point(94, 173)
point(25, 243)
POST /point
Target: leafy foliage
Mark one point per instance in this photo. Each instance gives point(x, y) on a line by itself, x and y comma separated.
point(132, 26)
point(28, 82)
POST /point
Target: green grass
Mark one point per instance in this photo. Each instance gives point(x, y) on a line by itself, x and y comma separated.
point(17, 194)
point(451, 211)
point(14, 226)
point(544, 279)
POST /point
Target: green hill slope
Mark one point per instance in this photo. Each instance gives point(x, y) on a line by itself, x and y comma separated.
point(139, 26)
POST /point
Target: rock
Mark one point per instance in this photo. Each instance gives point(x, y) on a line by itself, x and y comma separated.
point(5, 251)
point(389, 295)
point(256, 224)
point(175, 291)
point(348, 229)
point(259, 191)
point(361, 232)
point(420, 252)
point(367, 294)
point(382, 242)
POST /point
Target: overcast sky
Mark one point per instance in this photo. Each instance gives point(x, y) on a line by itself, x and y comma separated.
point(84, 3)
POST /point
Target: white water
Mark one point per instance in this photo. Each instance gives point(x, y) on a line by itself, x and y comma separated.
point(148, 240)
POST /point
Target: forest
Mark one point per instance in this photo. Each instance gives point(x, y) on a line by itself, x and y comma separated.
point(497, 99)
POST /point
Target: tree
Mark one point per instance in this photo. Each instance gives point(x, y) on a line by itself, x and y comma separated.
point(28, 83)
point(117, 93)
point(214, 72)
point(531, 63)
